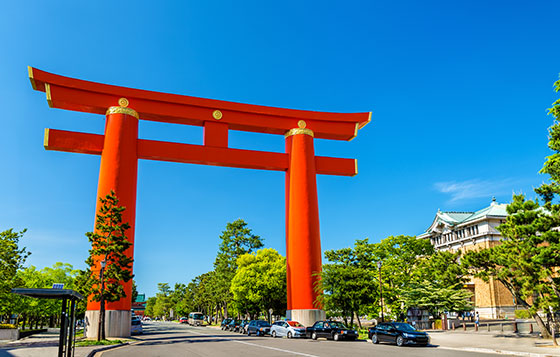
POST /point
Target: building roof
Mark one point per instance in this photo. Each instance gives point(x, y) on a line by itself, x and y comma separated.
point(451, 219)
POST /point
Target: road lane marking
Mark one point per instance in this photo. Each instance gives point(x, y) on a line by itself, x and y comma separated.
point(493, 351)
point(256, 345)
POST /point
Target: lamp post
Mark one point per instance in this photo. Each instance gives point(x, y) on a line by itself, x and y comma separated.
point(101, 327)
point(380, 289)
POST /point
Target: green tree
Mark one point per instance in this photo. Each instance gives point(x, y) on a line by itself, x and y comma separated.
point(108, 246)
point(437, 284)
point(348, 284)
point(134, 294)
point(260, 282)
point(12, 258)
point(528, 260)
point(237, 240)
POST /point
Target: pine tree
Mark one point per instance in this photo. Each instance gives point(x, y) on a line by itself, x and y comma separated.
point(108, 246)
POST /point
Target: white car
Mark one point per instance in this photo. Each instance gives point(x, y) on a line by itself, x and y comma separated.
point(290, 329)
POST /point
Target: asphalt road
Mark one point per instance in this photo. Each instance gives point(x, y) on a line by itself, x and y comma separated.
point(172, 339)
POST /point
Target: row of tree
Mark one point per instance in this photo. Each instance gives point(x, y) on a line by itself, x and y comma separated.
point(393, 275)
point(29, 312)
point(245, 281)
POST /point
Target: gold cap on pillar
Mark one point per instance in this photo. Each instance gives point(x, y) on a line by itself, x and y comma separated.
point(122, 109)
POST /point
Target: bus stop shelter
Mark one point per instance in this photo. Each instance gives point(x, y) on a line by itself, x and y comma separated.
point(67, 317)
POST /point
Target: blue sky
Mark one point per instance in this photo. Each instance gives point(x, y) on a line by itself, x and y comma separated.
point(458, 92)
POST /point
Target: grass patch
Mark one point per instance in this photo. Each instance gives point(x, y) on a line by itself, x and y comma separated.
point(362, 334)
point(84, 343)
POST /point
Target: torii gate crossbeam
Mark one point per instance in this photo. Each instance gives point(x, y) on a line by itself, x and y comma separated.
point(120, 148)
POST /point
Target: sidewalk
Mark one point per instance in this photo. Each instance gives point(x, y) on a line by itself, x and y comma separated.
point(494, 342)
point(44, 344)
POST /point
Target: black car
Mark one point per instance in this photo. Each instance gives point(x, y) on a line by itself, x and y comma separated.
point(225, 322)
point(398, 332)
point(332, 330)
point(233, 325)
point(258, 327)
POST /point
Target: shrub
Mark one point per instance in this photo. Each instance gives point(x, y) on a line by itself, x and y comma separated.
point(6, 326)
point(522, 314)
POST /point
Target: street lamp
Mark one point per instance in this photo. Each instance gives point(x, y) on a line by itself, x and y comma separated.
point(380, 289)
point(101, 326)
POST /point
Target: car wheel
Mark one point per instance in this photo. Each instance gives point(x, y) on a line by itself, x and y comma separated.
point(313, 336)
point(374, 339)
point(289, 335)
point(274, 334)
point(400, 341)
point(336, 337)
point(249, 333)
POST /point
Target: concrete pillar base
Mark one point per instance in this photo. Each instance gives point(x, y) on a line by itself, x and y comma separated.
point(306, 317)
point(117, 323)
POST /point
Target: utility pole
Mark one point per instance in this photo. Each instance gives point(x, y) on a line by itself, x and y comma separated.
point(380, 290)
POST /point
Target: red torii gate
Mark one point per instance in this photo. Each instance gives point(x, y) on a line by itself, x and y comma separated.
point(120, 150)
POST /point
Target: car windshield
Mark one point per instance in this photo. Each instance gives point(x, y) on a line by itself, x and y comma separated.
point(198, 316)
point(136, 322)
point(263, 323)
point(336, 324)
point(404, 327)
point(295, 324)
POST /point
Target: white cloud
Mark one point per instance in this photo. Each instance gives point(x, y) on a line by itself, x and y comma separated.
point(464, 190)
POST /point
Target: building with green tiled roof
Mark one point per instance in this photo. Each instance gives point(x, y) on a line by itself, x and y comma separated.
point(462, 231)
point(455, 230)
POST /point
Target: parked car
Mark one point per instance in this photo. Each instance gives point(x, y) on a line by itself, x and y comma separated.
point(289, 329)
point(258, 327)
point(399, 333)
point(332, 330)
point(183, 320)
point(233, 326)
point(225, 322)
point(243, 326)
point(136, 326)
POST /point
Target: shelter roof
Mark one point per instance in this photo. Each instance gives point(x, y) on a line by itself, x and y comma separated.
point(48, 293)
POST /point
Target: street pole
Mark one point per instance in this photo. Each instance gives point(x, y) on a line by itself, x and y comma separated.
point(380, 290)
point(101, 327)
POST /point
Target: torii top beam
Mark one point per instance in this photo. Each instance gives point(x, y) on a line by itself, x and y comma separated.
point(85, 96)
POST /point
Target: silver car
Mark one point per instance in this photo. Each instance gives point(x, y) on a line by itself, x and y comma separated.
point(290, 329)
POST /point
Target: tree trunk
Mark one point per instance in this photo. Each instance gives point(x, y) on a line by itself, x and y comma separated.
point(542, 326)
point(359, 322)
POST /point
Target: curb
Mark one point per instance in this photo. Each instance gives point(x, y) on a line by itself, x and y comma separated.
point(105, 348)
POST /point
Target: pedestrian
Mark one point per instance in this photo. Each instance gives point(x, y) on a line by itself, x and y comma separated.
point(477, 319)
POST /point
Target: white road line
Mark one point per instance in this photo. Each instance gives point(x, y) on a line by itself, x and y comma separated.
point(492, 351)
point(256, 345)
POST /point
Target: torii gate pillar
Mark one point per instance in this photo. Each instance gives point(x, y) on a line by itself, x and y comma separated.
point(118, 172)
point(303, 242)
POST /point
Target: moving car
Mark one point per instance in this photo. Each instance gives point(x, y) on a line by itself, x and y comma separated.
point(289, 329)
point(196, 319)
point(136, 326)
point(331, 330)
point(183, 320)
point(258, 327)
point(399, 333)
